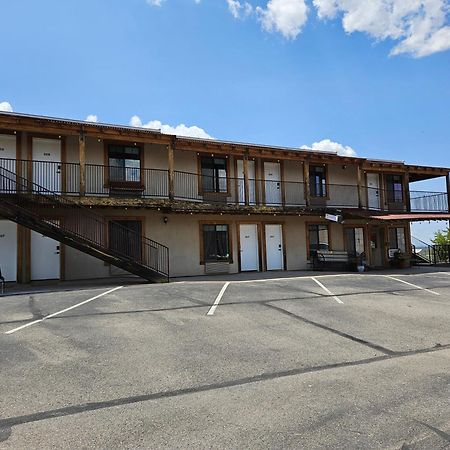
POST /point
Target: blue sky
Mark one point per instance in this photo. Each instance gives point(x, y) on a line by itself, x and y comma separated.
point(284, 72)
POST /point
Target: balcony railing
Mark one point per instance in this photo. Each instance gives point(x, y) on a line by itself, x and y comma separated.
point(109, 181)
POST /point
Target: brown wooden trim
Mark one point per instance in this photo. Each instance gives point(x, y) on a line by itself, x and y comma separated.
point(82, 157)
point(20, 255)
point(230, 237)
point(171, 168)
point(306, 183)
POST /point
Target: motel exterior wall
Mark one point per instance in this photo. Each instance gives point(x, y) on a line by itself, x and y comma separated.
point(181, 233)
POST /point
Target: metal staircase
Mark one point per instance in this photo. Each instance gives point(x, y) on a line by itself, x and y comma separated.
point(64, 220)
point(424, 254)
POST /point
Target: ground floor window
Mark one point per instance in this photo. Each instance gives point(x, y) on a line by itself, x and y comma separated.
point(397, 239)
point(216, 243)
point(318, 237)
point(125, 238)
point(354, 239)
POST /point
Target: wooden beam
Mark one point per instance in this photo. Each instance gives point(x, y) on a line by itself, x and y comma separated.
point(360, 194)
point(171, 165)
point(246, 181)
point(306, 182)
point(406, 191)
point(82, 156)
point(447, 179)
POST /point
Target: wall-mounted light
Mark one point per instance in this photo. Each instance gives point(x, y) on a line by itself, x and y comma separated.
point(165, 219)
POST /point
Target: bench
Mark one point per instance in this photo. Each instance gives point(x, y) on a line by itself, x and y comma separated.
point(327, 260)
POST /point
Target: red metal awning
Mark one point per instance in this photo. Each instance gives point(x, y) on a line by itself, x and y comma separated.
point(412, 217)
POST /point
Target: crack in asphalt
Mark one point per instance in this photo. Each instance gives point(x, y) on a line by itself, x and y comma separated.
point(8, 423)
point(384, 350)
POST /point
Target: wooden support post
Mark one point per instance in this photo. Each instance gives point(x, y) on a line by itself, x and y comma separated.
point(359, 175)
point(82, 155)
point(447, 179)
point(382, 192)
point(171, 165)
point(306, 183)
point(407, 193)
point(246, 181)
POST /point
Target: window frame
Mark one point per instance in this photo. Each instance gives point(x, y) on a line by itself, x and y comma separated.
point(108, 182)
point(391, 191)
point(313, 184)
point(201, 224)
point(365, 234)
point(201, 191)
point(308, 238)
point(405, 235)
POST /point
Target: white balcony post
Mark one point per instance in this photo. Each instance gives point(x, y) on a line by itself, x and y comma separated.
point(171, 165)
point(246, 181)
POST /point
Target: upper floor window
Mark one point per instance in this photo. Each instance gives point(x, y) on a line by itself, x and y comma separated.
point(124, 163)
point(214, 174)
point(394, 185)
point(318, 238)
point(318, 181)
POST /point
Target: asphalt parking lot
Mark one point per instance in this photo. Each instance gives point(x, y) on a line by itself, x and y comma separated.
point(318, 361)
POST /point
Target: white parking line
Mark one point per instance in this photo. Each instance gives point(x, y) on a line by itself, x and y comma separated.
point(217, 300)
point(413, 285)
point(62, 311)
point(327, 290)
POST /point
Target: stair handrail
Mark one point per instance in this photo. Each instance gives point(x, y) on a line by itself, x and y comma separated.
point(44, 194)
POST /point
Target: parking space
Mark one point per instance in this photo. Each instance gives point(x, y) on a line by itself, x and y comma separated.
point(276, 363)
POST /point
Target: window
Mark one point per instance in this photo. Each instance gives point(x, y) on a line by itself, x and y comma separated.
point(354, 239)
point(318, 181)
point(394, 185)
point(397, 239)
point(125, 238)
point(216, 244)
point(318, 239)
point(124, 163)
point(214, 174)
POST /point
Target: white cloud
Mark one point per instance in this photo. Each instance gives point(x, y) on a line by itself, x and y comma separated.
point(179, 130)
point(420, 26)
point(238, 9)
point(6, 107)
point(284, 16)
point(327, 145)
point(155, 2)
point(91, 118)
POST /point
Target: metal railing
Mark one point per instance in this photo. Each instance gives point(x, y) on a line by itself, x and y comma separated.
point(31, 204)
point(105, 181)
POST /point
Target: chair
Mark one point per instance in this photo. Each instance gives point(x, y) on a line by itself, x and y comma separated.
point(2, 281)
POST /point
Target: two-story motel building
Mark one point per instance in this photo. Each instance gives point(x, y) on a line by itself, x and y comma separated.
point(191, 206)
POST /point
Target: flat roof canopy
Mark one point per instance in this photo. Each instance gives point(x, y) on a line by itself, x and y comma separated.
point(412, 217)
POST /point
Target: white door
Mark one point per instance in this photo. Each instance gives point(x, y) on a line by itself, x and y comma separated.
point(48, 172)
point(249, 247)
point(373, 190)
point(274, 247)
point(8, 250)
point(272, 185)
point(8, 162)
point(251, 180)
point(45, 258)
